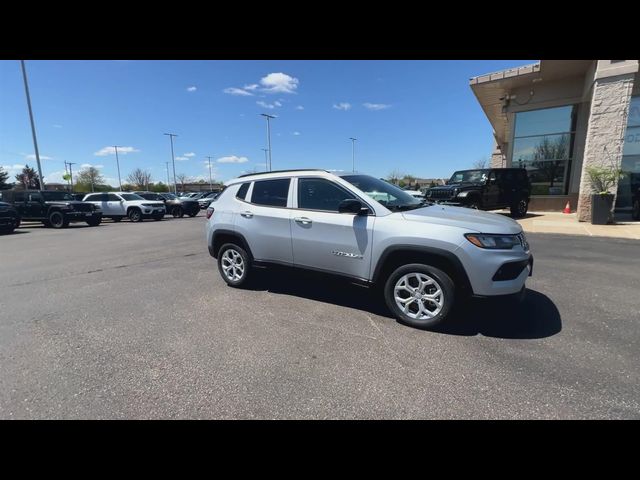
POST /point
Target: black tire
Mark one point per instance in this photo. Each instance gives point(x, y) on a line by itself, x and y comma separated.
point(193, 214)
point(177, 212)
point(94, 222)
point(224, 261)
point(116, 219)
point(16, 223)
point(441, 280)
point(57, 220)
point(519, 208)
point(135, 215)
point(635, 214)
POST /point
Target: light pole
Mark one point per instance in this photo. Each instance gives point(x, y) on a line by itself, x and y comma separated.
point(353, 152)
point(210, 181)
point(70, 174)
point(168, 179)
point(33, 126)
point(266, 161)
point(118, 164)
point(173, 159)
point(268, 117)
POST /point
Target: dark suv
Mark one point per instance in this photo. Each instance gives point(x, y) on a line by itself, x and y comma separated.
point(9, 218)
point(486, 189)
point(53, 208)
point(175, 206)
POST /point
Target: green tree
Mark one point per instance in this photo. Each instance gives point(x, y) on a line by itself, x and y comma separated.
point(28, 178)
point(4, 175)
point(88, 179)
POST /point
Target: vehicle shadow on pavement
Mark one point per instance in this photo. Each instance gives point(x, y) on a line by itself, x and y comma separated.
point(536, 317)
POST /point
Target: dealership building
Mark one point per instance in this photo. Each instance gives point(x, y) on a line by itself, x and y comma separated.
point(556, 118)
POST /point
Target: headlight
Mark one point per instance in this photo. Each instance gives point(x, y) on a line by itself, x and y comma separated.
point(495, 242)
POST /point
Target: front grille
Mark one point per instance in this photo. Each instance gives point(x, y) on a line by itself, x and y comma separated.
point(439, 194)
point(83, 207)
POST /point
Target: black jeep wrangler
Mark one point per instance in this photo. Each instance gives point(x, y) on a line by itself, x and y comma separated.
point(53, 208)
point(9, 218)
point(486, 189)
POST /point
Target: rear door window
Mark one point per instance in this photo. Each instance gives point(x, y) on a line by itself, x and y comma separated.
point(271, 193)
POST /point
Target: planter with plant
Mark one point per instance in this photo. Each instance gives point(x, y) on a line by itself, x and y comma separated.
point(602, 180)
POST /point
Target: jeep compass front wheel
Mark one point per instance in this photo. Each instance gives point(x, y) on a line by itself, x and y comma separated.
point(419, 295)
point(233, 264)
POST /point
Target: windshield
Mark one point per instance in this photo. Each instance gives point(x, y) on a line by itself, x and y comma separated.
point(383, 192)
point(131, 196)
point(471, 176)
point(169, 196)
point(57, 196)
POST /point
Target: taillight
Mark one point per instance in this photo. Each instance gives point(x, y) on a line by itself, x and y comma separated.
point(209, 212)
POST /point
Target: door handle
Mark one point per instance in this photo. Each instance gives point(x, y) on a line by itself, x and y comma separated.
point(247, 214)
point(303, 220)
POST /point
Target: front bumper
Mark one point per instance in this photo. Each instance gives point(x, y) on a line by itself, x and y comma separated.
point(75, 216)
point(152, 212)
point(495, 272)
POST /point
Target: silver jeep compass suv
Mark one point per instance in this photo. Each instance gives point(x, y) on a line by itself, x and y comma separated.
point(423, 256)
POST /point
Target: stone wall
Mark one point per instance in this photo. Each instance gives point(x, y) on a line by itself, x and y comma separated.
point(605, 133)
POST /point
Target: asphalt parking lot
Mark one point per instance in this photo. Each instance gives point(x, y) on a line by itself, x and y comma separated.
point(133, 321)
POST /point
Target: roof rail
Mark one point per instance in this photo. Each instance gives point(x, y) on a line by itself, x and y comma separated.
point(284, 171)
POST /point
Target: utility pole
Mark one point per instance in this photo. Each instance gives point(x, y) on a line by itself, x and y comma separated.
point(210, 180)
point(118, 164)
point(353, 153)
point(266, 161)
point(71, 174)
point(33, 126)
point(268, 117)
point(173, 159)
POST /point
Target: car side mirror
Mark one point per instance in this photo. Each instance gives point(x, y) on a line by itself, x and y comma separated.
point(352, 206)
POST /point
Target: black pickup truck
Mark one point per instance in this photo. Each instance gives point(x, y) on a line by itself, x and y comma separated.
point(486, 189)
point(9, 218)
point(53, 208)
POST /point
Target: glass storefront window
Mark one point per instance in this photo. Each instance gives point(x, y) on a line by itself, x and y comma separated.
point(543, 144)
point(630, 183)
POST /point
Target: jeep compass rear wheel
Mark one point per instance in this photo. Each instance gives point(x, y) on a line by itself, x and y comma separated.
point(233, 264)
point(519, 208)
point(419, 295)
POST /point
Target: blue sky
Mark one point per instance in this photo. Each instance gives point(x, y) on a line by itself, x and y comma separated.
point(419, 117)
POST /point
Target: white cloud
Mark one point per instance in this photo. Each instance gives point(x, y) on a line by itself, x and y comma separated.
point(270, 106)
point(12, 170)
point(87, 165)
point(192, 88)
point(375, 106)
point(237, 91)
point(103, 152)
point(279, 83)
point(299, 107)
point(56, 177)
point(251, 87)
point(33, 157)
point(182, 159)
point(296, 133)
point(190, 154)
point(232, 159)
point(342, 106)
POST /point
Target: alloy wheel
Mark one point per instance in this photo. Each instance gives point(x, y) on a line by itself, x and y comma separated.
point(418, 296)
point(232, 265)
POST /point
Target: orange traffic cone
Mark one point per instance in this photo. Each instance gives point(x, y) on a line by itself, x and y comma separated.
point(567, 208)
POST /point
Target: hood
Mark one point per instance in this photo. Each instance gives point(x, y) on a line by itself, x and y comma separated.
point(451, 186)
point(467, 218)
point(65, 202)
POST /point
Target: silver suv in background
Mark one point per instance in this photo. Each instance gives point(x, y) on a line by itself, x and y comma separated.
point(422, 256)
point(119, 205)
